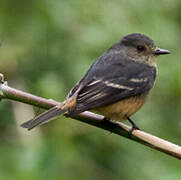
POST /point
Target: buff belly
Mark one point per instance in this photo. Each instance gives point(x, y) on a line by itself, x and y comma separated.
point(122, 109)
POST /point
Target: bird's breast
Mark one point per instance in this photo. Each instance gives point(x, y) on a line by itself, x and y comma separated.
point(124, 108)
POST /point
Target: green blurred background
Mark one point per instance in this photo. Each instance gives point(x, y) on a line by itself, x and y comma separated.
point(46, 46)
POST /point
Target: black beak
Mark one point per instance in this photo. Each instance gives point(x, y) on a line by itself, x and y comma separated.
point(159, 51)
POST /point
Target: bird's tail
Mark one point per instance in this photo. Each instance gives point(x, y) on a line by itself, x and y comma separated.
point(49, 115)
point(43, 118)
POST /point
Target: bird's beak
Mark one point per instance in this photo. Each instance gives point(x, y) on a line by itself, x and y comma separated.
point(159, 51)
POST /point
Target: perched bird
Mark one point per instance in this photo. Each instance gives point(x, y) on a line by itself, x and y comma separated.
point(116, 85)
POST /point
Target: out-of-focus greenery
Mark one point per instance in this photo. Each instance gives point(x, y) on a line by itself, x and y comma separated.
point(46, 46)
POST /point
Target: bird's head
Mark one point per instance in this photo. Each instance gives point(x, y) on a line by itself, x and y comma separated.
point(141, 48)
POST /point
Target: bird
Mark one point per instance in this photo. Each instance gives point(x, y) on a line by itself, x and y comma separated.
point(116, 85)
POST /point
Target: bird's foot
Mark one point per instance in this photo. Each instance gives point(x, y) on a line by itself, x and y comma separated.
point(134, 126)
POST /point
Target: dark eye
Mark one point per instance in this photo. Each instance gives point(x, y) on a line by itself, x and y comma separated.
point(140, 48)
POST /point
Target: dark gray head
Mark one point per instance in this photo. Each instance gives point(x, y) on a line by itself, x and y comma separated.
point(135, 39)
point(140, 47)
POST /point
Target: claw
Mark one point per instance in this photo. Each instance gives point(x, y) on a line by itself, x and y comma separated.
point(134, 126)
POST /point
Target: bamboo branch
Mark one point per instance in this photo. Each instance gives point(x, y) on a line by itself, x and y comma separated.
point(7, 92)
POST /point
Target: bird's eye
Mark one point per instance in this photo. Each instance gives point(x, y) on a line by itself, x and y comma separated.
point(140, 48)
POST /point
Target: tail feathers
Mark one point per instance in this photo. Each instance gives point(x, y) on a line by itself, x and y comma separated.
point(43, 118)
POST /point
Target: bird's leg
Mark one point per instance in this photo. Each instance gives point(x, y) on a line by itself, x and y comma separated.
point(134, 126)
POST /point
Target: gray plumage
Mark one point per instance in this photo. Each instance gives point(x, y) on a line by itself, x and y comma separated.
point(127, 69)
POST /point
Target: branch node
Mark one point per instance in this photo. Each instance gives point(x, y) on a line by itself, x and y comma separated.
point(1, 78)
point(2, 83)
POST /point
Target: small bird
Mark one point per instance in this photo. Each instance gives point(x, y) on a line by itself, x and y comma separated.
point(116, 85)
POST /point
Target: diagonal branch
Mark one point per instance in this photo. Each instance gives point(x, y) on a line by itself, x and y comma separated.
point(7, 92)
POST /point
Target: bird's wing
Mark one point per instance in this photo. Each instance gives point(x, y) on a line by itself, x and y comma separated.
point(102, 92)
point(106, 92)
